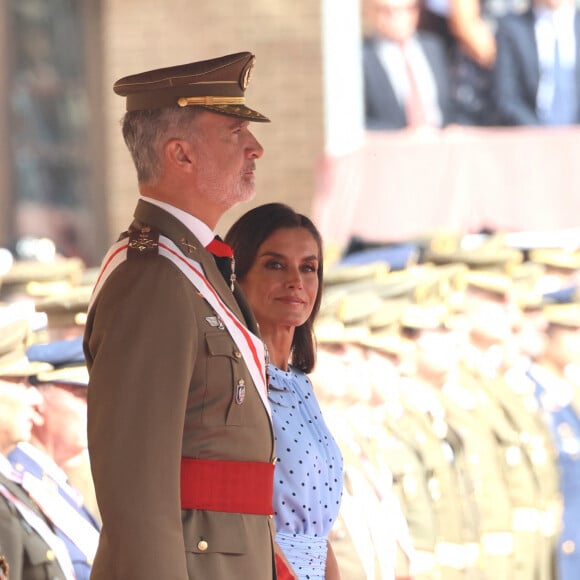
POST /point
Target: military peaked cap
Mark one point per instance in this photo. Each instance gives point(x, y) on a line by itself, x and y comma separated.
point(13, 359)
point(217, 84)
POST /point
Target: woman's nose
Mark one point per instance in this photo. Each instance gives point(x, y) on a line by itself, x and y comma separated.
point(294, 278)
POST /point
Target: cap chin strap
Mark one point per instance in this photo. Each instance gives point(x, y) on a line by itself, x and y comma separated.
point(186, 101)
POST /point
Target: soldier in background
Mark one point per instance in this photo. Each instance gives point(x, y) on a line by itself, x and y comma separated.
point(370, 538)
point(27, 541)
point(449, 437)
point(490, 355)
point(59, 437)
point(559, 398)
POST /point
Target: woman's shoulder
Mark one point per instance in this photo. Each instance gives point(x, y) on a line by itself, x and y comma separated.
point(293, 374)
point(291, 380)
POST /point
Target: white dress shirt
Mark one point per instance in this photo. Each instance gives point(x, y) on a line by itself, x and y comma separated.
point(549, 26)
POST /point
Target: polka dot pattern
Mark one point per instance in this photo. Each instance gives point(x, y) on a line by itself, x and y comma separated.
point(308, 475)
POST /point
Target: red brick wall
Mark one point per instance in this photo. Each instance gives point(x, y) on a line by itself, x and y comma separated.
point(286, 84)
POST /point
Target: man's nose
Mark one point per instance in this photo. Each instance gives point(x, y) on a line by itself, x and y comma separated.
point(255, 148)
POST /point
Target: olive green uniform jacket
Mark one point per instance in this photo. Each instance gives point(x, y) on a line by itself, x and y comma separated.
point(28, 555)
point(163, 384)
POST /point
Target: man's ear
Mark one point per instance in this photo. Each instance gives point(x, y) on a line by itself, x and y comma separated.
point(179, 154)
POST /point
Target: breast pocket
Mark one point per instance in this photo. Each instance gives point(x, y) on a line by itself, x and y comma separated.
point(229, 390)
point(41, 559)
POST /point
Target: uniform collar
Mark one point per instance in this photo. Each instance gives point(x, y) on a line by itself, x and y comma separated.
point(199, 229)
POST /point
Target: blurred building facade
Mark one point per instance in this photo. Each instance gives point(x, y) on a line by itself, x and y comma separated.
point(64, 169)
point(65, 173)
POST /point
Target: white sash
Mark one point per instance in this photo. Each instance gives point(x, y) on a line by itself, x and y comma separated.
point(64, 517)
point(250, 346)
point(39, 526)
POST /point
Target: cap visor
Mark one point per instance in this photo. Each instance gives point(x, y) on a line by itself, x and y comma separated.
point(75, 376)
point(239, 111)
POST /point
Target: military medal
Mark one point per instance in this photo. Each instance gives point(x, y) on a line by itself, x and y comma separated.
point(240, 391)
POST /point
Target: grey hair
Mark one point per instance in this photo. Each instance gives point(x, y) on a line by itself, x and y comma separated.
point(145, 133)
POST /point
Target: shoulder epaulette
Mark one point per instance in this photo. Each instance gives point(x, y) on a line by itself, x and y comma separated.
point(143, 241)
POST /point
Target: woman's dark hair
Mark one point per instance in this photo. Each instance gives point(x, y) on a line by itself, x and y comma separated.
point(248, 234)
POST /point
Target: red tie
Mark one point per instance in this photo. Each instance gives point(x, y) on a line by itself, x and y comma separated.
point(219, 248)
point(224, 259)
point(414, 109)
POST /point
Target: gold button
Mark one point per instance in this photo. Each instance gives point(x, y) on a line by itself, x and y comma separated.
point(568, 547)
point(202, 546)
point(50, 556)
point(237, 354)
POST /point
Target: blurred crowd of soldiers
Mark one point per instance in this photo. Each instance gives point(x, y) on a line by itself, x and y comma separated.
point(449, 372)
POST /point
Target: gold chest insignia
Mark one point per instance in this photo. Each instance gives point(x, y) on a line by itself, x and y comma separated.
point(189, 248)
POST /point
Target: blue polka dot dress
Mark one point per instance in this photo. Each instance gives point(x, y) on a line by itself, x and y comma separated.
point(308, 475)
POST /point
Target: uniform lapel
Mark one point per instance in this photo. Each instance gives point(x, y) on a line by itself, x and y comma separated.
point(246, 310)
point(190, 246)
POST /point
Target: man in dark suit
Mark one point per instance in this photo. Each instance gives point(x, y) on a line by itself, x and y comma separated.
point(537, 73)
point(179, 427)
point(406, 71)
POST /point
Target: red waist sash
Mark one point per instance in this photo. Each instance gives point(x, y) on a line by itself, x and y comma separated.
point(244, 487)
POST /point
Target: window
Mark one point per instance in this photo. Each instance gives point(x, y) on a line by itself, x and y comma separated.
point(50, 123)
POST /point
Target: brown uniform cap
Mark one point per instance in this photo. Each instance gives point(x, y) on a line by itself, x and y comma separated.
point(217, 84)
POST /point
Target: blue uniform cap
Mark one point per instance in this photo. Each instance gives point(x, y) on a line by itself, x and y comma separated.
point(67, 358)
point(561, 296)
point(398, 256)
point(58, 353)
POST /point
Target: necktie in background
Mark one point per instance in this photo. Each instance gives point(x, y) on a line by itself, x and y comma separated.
point(414, 109)
point(224, 259)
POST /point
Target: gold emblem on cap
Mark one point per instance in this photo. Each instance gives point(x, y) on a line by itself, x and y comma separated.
point(246, 74)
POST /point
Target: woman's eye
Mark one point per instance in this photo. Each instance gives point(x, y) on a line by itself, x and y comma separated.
point(309, 268)
point(273, 265)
